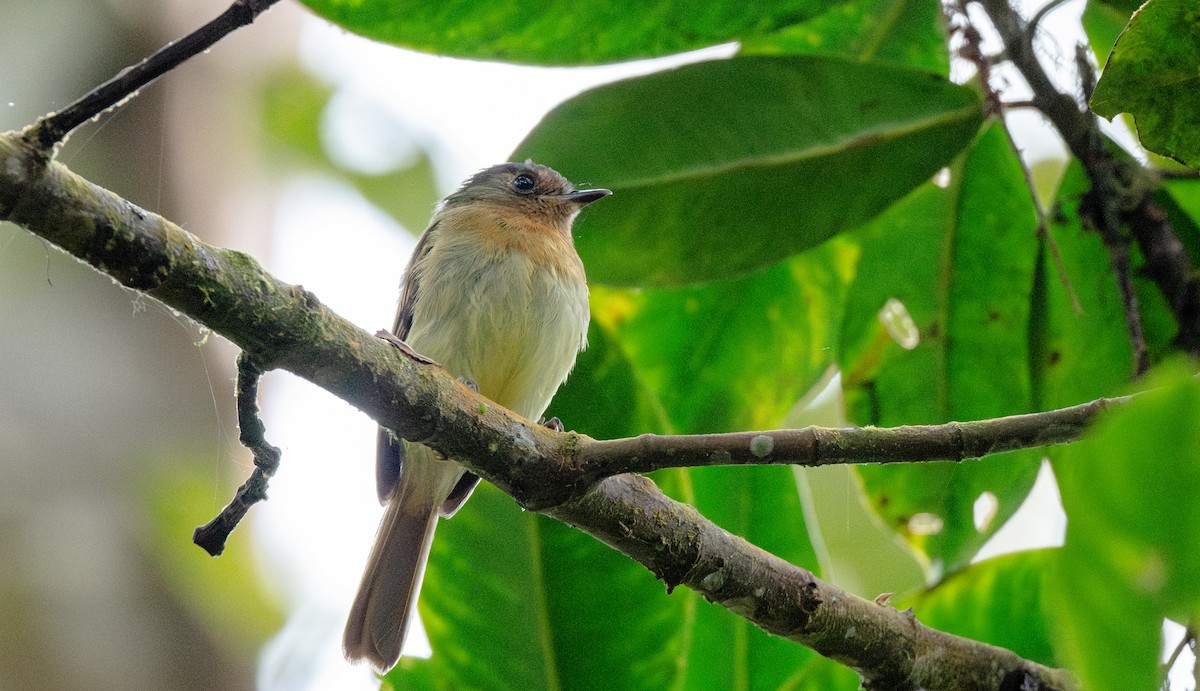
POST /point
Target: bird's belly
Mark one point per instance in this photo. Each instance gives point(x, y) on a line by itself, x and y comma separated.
point(512, 328)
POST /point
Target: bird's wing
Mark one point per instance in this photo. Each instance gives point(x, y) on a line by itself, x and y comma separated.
point(389, 450)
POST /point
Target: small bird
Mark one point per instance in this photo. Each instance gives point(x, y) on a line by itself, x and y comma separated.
point(496, 294)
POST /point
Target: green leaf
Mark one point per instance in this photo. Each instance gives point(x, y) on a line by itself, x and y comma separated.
point(1132, 551)
point(557, 32)
point(961, 261)
point(894, 31)
point(414, 673)
point(822, 674)
point(516, 600)
point(734, 354)
point(1103, 22)
point(997, 601)
point(1153, 73)
point(1180, 199)
point(724, 167)
point(603, 396)
point(1082, 354)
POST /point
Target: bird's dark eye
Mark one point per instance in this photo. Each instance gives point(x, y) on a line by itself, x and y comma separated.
point(523, 183)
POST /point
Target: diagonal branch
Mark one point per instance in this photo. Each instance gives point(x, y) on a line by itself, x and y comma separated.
point(52, 128)
point(284, 326)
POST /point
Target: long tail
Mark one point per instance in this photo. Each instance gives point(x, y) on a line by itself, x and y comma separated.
point(380, 616)
point(386, 597)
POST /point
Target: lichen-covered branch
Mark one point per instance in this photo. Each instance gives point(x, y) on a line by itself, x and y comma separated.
point(819, 446)
point(889, 648)
point(284, 326)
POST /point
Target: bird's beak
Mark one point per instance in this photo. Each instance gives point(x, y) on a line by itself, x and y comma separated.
point(584, 197)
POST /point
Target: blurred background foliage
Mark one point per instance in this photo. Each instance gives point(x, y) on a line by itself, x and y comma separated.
point(823, 229)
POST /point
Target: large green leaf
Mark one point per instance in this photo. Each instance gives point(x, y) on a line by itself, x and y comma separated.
point(997, 601)
point(516, 600)
point(1132, 552)
point(1180, 199)
point(561, 33)
point(961, 260)
point(723, 167)
point(734, 354)
point(1153, 73)
point(1084, 353)
point(896, 31)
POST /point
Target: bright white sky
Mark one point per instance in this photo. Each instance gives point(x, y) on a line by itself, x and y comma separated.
point(316, 531)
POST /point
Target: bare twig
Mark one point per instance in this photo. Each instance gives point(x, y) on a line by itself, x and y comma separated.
point(52, 128)
point(1188, 639)
point(819, 446)
point(1104, 207)
point(1041, 14)
point(1013, 105)
point(212, 535)
point(972, 50)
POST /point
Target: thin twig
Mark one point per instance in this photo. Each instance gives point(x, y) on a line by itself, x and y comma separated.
point(819, 446)
point(972, 50)
point(1118, 250)
point(52, 128)
point(1101, 206)
point(1041, 14)
point(1188, 639)
point(212, 535)
point(1013, 105)
point(1086, 71)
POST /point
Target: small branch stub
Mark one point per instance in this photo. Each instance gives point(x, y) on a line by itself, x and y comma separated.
point(212, 535)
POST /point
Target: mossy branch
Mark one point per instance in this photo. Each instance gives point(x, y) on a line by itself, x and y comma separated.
point(284, 326)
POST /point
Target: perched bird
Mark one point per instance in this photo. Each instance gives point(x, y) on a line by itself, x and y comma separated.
point(496, 294)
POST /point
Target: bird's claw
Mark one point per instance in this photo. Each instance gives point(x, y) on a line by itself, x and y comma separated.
point(553, 424)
